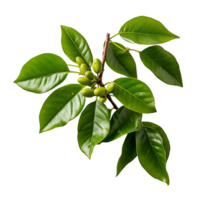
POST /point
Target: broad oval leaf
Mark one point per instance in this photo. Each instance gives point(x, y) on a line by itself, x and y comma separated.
point(151, 153)
point(128, 152)
point(42, 73)
point(123, 121)
point(93, 126)
point(145, 30)
point(75, 45)
point(120, 61)
point(135, 95)
point(63, 105)
point(166, 143)
point(163, 64)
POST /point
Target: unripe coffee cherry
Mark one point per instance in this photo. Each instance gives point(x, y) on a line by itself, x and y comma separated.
point(97, 66)
point(87, 92)
point(85, 81)
point(83, 68)
point(79, 61)
point(111, 87)
point(103, 99)
point(90, 75)
point(100, 91)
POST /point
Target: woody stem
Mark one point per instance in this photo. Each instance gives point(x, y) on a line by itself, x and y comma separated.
point(100, 80)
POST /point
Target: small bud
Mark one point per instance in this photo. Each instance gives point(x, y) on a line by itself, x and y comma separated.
point(90, 75)
point(103, 99)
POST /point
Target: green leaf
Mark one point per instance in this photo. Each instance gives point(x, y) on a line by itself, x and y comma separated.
point(162, 133)
point(42, 73)
point(123, 121)
point(151, 153)
point(135, 95)
point(145, 30)
point(93, 126)
point(75, 45)
point(163, 64)
point(120, 61)
point(110, 112)
point(63, 105)
point(128, 152)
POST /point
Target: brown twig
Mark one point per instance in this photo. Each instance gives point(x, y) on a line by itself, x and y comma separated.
point(101, 74)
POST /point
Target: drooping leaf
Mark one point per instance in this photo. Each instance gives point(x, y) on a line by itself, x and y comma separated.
point(110, 112)
point(166, 143)
point(42, 73)
point(120, 61)
point(145, 30)
point(93, 126)
point(128, 152)
point(135, 95)
point(151, 153)
point(123, 121)
point(63, 105)
point(163, 64)
point(75, 45)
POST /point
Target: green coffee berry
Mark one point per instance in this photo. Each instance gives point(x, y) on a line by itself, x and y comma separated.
point(90, 75)
point(100, 91)
point(84, 81)
point(87, 92)
point(103, 99)
point(97, 66)
point(111, 87)
point(83, 68)
point(79, 61)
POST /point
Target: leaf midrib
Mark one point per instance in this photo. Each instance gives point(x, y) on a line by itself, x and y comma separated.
point(152, 146)
point(43, 76)
point(132, 94)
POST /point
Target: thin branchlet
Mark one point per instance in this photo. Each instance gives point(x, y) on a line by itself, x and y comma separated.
point(99, 81)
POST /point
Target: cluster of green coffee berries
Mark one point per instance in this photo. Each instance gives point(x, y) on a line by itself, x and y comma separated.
point(89, 79)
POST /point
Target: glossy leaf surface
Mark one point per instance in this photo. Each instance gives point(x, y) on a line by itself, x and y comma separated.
point(128, 152)
point(42, 73)
point(123, 121)
point(135, 95)
point(145, 30)
point(151, 153)
point(120, 61)
point(163, 64)
point(63, 105)
point(166, 143)
point(93, 126)
point(75, 45)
